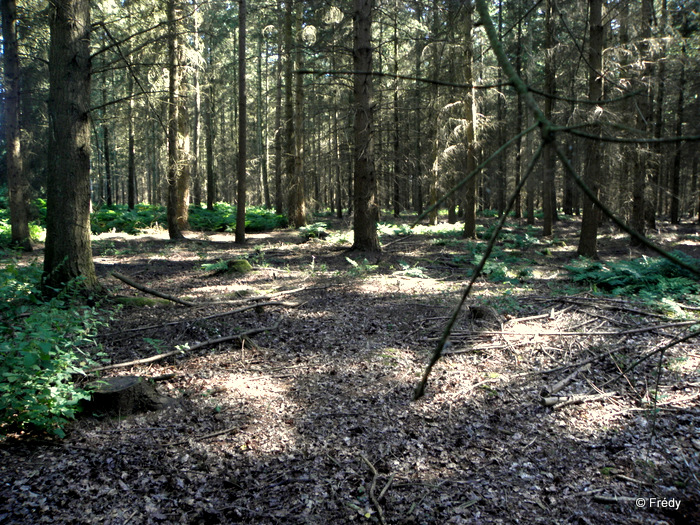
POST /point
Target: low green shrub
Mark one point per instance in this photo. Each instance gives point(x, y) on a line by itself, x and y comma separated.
point(220, 219)
point(653, 279)
point(43, 344)
point(317, 230)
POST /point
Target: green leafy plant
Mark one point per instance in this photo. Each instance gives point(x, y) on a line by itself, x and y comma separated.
point(43, 345)
point(654, 280)
point(359, 269)
point(317, 230)
point(221, 218)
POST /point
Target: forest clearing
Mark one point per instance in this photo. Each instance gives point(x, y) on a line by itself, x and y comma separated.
point(312, 420)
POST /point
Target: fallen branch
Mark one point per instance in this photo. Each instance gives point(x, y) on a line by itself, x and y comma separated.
point(600, 498)
point(210, 342)
point(208, 317)
point(648, 328)
point(205, 436)
point(263, 297)
point(558, 387)
point(639, 361)
point(558, 402)
point(372, 497)
point(147, 290)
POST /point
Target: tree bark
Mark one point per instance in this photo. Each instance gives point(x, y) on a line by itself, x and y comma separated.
point(242, 125)
point(640, 200)
point(295, 108)
point(173, 120)
point(548, 157)
point(588, 240)
point(16, 179)
point(676, 172)
point(68, 253)
point(470, 117)
point(365, 192)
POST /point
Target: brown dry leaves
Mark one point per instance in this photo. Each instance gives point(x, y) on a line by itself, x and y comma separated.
point(274, 431)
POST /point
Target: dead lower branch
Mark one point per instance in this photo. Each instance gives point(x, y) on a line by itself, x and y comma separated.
point(124, 333)
point(204, 344)
point(151, 291)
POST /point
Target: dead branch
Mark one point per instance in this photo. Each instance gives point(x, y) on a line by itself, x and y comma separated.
point(648, 355)
point(600, 498)
point(210, 342)
point(151, 291)
point(263, 297)
point(558, 402)
point(648, 328)
point(619, 307)
point(206, 318)
point(372, 496)
point(205, 436)
point(549, 315)
point(558, 387)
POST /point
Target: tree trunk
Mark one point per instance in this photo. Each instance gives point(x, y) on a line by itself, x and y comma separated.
point(68, 253)
point(242, 125)
point(518, 126)
point(676, 173)
point(295, 163)
point(263, 122)
point(197, 124)
point(365, 192)
point(548, 158)
point(209, 147)
point(16, 180)
point(640, 200)
point(470, 117)
point(173, 120)
point(396, 196)
point(281, 42)
point(588, 240)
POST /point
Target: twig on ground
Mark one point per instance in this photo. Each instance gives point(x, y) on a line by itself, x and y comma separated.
point(196, 319)
point(372, 496)
point(558, 402)
point(558, 387)
point(151, 291)
point(205, 436)
point(183, 350)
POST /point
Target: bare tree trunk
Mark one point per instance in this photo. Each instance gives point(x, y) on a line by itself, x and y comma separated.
point(68, 251)
point(548, 158)
point(242, 125)
point(209, 147)
point(197, 124)
point(640, 200)
point(676, 173)
point(518, 125)
point(173, 120)
point(588, 240)
point(366, 207)
point(470, 117)
point(16, 179)
point(295, 108)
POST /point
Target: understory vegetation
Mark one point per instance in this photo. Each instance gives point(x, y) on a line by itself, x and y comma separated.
point(292, 357)
point(44, 346)
point(119, 218)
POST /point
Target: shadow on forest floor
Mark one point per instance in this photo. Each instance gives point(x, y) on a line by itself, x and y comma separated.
point(313, 421)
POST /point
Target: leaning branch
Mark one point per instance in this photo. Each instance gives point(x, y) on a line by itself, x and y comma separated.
point(151, 291)
point(420, 389)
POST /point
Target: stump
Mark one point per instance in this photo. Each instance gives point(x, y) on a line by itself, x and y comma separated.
point(124, 395)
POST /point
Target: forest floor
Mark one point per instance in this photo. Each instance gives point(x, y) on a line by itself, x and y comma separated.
point(312, 421)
